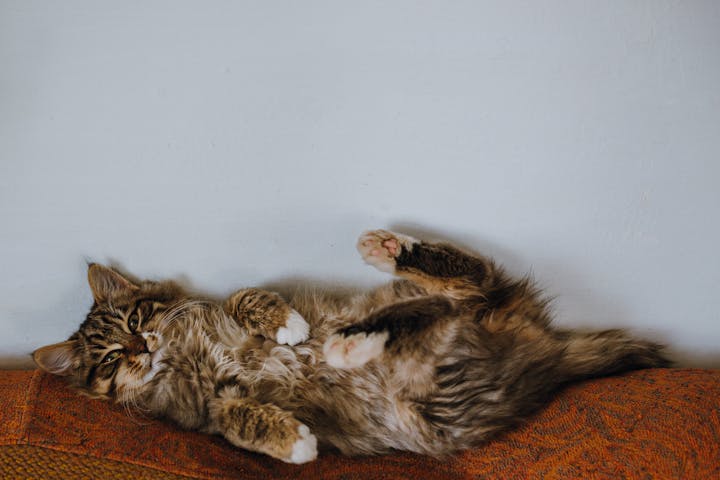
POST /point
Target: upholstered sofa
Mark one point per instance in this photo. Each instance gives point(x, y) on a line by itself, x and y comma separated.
point(662, 424)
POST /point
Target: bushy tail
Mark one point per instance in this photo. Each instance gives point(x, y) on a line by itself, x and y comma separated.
point(606, 353)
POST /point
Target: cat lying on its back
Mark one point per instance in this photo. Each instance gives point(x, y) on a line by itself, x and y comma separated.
point(434, 363)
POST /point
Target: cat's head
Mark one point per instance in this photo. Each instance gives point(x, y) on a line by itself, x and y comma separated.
point(119, 346)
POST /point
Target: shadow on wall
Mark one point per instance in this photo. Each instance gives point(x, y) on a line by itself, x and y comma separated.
point(695, 359)
point(289, 286)
point(515, 265)
point(24, 362)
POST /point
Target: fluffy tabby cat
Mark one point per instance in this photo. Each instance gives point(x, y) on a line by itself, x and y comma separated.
point(433, 363)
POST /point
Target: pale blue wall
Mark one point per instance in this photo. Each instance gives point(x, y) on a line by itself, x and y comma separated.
point(238, 143)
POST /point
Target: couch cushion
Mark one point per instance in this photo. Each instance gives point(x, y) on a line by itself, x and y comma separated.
point(661, 423)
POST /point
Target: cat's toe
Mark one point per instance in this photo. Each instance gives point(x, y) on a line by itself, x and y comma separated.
point(296, 330)
point(380, 248)
point(305, 448)
point(353, 350)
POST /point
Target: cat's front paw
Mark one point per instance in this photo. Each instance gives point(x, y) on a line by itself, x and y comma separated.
point(296, 330)
point(351, 351)
point(380, 248)
point(305, 448)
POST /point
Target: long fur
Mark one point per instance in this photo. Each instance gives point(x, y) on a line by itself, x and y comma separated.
point(466, 352)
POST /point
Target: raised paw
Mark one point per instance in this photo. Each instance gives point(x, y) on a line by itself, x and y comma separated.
point(351, 351)
point(296, 330)
point(305, 448)
point(380, 248)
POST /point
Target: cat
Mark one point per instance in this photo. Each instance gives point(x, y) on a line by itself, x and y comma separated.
point(437, 361)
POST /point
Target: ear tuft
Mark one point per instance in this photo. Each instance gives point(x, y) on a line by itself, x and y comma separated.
point(58, 359)
point(106, 283)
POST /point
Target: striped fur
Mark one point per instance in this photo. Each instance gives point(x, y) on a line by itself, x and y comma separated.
point(459, 352)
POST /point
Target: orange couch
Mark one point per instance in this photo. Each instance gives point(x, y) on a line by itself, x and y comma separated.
point(662, 424)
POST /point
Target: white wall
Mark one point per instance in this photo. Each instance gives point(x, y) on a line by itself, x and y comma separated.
point(238, 143)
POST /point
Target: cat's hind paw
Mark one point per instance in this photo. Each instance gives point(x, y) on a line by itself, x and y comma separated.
point(354, 350)
point(305, 448)
point(380, 248)
point(296, 330)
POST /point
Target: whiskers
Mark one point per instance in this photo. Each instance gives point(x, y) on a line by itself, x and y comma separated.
point(129, 400)
point(178, 311)
point(128, 395)
point(133, 383)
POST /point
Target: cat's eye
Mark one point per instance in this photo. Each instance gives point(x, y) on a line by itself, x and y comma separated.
point(111, 357)
point(133, 322)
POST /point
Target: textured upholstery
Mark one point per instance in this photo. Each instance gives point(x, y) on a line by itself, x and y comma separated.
point(659, 423)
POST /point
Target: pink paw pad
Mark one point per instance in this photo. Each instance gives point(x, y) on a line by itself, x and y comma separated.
point(392, 246)
point(380, 248)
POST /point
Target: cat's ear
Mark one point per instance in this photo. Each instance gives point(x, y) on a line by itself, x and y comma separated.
point(59, 359)
point(106, 283)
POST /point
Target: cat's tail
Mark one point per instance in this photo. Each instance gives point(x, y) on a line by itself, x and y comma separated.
point(608, 352)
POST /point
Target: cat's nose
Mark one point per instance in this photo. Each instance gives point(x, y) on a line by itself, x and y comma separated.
point(137, 345)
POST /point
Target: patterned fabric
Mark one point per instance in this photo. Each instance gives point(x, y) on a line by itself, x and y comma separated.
point(27, 461)
point(661, 424)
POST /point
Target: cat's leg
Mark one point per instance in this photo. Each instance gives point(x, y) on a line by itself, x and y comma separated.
point(500, 303)
point(263, 428)
point(439, 268)
point(267, 314)
point(415, 330)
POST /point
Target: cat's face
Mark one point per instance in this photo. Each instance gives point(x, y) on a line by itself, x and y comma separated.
point(119, 346)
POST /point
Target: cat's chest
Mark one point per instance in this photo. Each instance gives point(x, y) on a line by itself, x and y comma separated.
point(235, 354)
